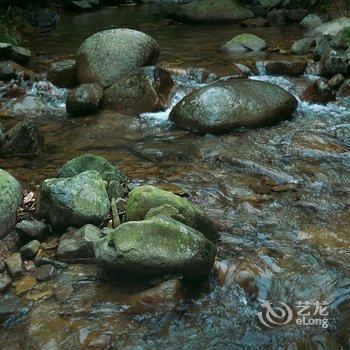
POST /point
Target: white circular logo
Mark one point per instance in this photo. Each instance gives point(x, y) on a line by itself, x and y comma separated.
point(275, 316)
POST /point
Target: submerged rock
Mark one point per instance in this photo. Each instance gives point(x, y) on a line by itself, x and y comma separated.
point(24, 138)
point(164, 295)
point(209, 11)
point(223, 107)
point(17, 54)
point(73, 201)
point(79, 245)
point(10, 305)
point(84, 100)
point(10, 200)
point(63, 74)
point(86, 162)
point(172, 248)
point(142, 199)
point(145, 90)
point(255, 22)
point(106, 56)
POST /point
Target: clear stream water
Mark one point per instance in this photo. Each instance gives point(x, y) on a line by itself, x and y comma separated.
point(280, 195)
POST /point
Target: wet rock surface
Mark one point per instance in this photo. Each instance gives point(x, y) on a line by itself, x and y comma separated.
point(79, 245)
point(146, 90)
point(63, 74)
point(11, 198)
point(224, 107)
point(144, 198)
point(73, 201)
point(107, 55)
point(280, 194)
point(84, 100)
point(173, 248)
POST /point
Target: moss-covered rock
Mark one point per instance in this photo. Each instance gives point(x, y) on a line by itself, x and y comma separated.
point(108, 55)
point(86, 162)
point(144, 198)
point(225, 106)
point(10, 200)
point(157, 246)
point(209, 11)
point(73, 201)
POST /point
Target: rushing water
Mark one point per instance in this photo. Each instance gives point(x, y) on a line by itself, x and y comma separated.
point(280, 195)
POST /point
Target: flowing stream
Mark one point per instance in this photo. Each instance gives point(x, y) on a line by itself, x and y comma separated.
point(280, 195)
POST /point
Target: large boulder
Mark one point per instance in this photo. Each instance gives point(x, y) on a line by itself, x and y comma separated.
point(106, 56)
point(88, 161)
point(73, 201)
point(144, 198)
point(225, 106)
point(84, 100)
point(157, 246)
point(10, 200)
point(145, 90)
point(209, 11)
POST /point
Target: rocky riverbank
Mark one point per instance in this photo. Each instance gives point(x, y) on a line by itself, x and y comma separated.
point(93, 249)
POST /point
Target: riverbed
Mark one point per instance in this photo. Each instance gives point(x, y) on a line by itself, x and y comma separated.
point(280, 195)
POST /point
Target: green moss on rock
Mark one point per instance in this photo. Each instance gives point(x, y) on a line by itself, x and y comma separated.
point(144, 198)
point(157, 246)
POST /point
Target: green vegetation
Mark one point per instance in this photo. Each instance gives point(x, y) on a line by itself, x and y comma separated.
point(8, 27)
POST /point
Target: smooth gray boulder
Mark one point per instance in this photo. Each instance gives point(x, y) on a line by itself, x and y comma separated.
point(225, 106)
point(157, 246)
point(73, 201)
point(106, 56)
point(10, 200)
